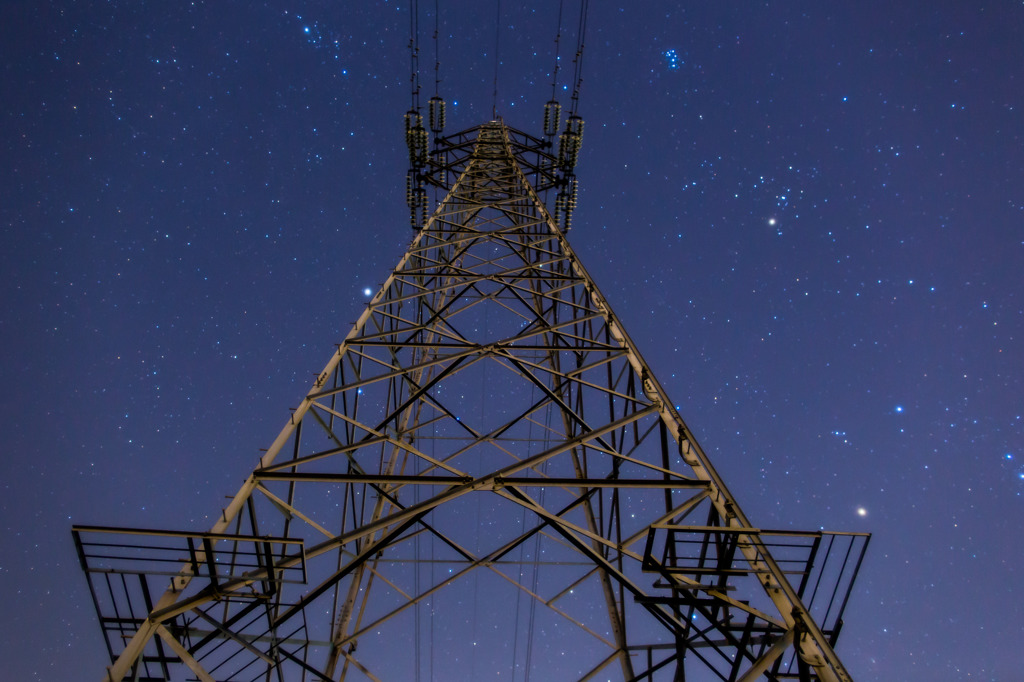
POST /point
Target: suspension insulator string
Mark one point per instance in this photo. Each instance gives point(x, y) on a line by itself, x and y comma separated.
point(435, 109)
point(410, 188)
point(421, 199)
point(569, 145)
point(416, 138)
point(419, 155)
point(552, 118)
point(572, 195)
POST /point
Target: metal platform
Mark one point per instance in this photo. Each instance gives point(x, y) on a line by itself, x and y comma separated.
point(128, 569)
point(701, 569)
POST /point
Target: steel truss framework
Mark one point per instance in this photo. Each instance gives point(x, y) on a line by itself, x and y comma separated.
point(485, 460)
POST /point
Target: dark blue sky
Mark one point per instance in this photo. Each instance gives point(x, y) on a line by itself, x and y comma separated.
point(808, 215)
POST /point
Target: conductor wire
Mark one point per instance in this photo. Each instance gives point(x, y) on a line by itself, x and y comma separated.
point(437, 49)
point(558, 40)
point(414, 52)
point(497, 44)
point(578, 59)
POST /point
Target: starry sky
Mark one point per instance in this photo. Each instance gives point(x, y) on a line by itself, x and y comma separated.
point(808, 215)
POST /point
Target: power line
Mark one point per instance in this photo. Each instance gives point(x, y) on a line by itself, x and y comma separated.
point(578, 59)
point(558, 40)
point(414, 52)
point(437, 49)
point(497, 54)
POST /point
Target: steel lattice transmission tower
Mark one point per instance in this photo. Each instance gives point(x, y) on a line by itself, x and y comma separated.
point(485, 480)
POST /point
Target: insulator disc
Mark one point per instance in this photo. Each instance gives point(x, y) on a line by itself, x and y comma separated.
point(559, 207)
point(419, 208)
point(411, 182)
point(418, 146)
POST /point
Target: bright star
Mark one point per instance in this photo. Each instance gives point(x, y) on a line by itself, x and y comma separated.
point(861, 511)
point(367, 291)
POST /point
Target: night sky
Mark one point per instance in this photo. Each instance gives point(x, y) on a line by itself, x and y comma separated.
point(808, 215)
